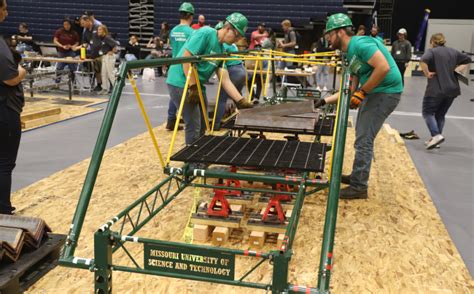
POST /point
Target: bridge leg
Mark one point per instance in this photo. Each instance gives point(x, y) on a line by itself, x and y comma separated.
point(102, 263)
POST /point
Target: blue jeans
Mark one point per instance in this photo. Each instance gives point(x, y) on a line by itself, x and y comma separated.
point(193, 123)
point(288, 64)
point(434, 111)
point(61, 65)
point(237, 76)
point(372, 114)
point(322, 76)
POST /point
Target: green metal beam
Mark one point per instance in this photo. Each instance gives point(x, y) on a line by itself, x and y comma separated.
point(325, 265)
point(93, 170)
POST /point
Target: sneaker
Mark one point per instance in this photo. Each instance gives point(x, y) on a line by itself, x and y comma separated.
point(346, 179)
point(318, 88)
point(325, 89)
point(427, 142)
point(103, 92)
point(436, 140)
point(352, 193)
point(170, 125)
point(97, 88)
point(244, 103)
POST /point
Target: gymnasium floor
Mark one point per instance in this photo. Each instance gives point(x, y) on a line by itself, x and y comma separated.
point(447, 172)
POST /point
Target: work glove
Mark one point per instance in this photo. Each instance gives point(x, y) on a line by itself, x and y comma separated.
point(319, 103)
point(244, 103)
point(357, 98)
point(193, 94)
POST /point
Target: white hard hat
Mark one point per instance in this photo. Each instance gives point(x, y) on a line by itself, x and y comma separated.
point(402, 31)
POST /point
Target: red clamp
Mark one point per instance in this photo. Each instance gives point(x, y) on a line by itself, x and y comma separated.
point(219, 205)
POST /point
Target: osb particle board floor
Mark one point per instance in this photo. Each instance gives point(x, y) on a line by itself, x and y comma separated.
point(392, 242)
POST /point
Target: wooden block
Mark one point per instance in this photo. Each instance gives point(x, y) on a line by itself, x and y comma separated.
point(237, 207)
point(201, 232)
point(257, 239)
point(39, 114)
point(40, 121)
point(280, 239)
point(220, 235)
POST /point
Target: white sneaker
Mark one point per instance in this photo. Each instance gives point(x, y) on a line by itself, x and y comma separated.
point(435, 141)
point(318, 88)
point(325, 88)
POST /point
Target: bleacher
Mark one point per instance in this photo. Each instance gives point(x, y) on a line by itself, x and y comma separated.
point(272, 12)
point(44, 17)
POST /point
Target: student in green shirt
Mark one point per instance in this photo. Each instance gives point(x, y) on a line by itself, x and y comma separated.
point(178, 36)
point(376, 90)
point(205, 41)
point(237, 76)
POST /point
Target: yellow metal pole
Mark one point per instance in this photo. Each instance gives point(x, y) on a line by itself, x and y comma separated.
point(335, 128)
point(253, 79)
point(267, 78)
point(180, 112)
point(261, 71)
point(201, 98)
point(246, 80)
point(217, 99)
point(146, 118)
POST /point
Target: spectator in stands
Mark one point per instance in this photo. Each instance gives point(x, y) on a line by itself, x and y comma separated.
point(439, 64)
point(374, 33)
point(66, 40)
point(258, 36)
point(178, 36)
point(92, 42)
point(132, 51)
point(11, 105)
point(24, 39)
point(361, 31)
point(76, 26)
point(160, 49)
point(401, 51)
point(322, 71)
point(107, 52)
point(267, 43)
point(91, 15)
point(289, 44)
point(201, 22)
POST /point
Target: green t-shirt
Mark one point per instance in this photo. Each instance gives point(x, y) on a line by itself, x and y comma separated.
point(360, 50)
point(232, 49)
point(178, 36)
point(202, 42)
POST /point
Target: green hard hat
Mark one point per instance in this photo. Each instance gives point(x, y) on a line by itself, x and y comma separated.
point(219, 25)
point(337, 21)
point(239, 21)
point(186, 7)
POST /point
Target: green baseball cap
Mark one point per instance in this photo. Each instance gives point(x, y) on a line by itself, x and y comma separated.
point(337, 21)
point(239, 22)
point(186, 7)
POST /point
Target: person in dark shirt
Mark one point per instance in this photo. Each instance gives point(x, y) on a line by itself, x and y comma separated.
point(66, 41)
point(439, 64)
point(401, 51)
point(132, 49)
point(11, 105)
point(92, 42)
point(24, 39)
point(107, 56)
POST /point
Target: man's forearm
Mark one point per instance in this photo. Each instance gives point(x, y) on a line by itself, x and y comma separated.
point(375, 79)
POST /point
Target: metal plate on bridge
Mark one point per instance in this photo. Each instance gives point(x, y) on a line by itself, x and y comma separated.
point(259, 153)
point(186, 260)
